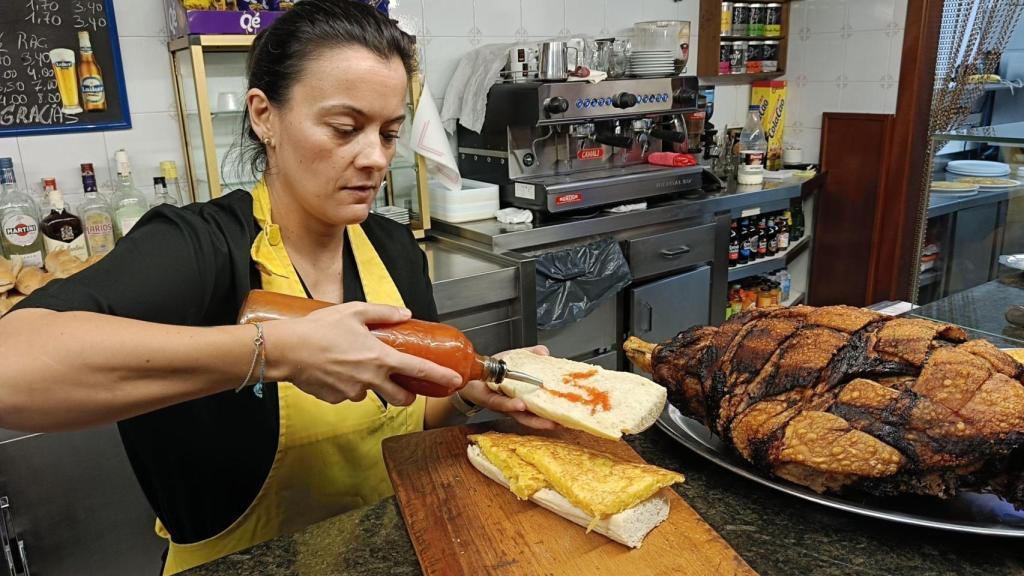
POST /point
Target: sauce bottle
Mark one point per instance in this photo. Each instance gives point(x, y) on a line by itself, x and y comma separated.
point(439, 343)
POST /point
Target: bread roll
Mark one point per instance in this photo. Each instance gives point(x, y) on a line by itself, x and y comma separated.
point(7, 275)
point(31, 279)
point(628, 527)
point(9, 300)
point(573, 393)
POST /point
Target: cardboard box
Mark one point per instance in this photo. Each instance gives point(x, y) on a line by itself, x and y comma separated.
point(182, 22)
point(770, 95)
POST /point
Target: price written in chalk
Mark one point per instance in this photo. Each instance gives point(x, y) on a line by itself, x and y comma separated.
point(89, 15)
point(43, 12)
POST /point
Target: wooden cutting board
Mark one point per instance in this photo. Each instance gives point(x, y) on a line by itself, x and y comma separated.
point(461, 522)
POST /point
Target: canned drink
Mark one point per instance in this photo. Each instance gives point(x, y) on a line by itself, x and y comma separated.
point(770, 56)
point(755, 20)
point(773, 19)
point(755, 55)
point(725, 58)
point(726, 18)
point(740, 18)
point(738, 58)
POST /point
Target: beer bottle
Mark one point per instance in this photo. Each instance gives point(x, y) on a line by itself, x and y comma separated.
point(94, 95)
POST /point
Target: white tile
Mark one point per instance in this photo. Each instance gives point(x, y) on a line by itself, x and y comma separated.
point(59, 156)
point(584, 17)
point(619, 16)
point(9, 149)
point(815, 98)
point(140, 18)
point(825, 15)
point(498, 18)
point(863, 97)
point(870, 14)
point(152, 139)
point(147, 68)
point(409, 15)
point(891, 97)
point(742, 104)
point(443, 55)
point(797, 16)
point(689, 10)
point(658, 9)
point(809, 140)
point(823, 56)
point(899, 13)
point(724, 113)
point(544, 17)
point(895, 54)
point(867, 56)
point(449, 17)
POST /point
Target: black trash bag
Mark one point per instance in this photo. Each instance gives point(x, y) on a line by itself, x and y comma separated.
point(571, 282)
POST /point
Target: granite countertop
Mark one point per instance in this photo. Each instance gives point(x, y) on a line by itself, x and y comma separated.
point(775, 533)
point(982, 309)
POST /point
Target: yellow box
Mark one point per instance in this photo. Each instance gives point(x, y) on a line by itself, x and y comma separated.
point(770, 95)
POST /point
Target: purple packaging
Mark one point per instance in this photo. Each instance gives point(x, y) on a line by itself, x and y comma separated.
point(255, 5)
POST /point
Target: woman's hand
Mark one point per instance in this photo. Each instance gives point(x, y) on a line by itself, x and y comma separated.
point(480, 394)
point(332, 355)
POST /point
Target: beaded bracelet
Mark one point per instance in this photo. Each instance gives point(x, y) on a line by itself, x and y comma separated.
point(259, 355)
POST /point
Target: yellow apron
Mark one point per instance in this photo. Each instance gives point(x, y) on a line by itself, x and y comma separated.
point(328, 458)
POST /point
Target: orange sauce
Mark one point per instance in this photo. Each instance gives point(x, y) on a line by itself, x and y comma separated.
point(591, 396)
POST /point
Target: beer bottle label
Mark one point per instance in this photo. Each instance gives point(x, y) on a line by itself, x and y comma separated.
point(99, 233)
point(20, 229)
point(92, 90)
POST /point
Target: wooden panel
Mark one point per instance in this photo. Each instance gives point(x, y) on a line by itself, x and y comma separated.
point(853, 152)
point(461, 522)
point(902, 208)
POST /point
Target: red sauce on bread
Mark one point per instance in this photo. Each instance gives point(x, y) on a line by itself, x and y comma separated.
point(591, 396)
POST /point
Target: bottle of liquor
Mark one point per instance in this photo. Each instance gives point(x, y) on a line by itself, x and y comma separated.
point(773, 237)
point(762, 238)
point(62, 230)
point(783, 226)
point(129, 204)
point(160, 193)
point(96, 215)
point(169, 170)
point(19, 220)
point(94, 94)
point(734, 244)
point(746, 239)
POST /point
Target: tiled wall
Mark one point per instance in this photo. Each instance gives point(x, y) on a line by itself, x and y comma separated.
point(154, 134)
point(844, 56)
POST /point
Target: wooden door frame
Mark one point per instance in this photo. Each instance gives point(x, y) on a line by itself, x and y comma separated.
point(903, 202)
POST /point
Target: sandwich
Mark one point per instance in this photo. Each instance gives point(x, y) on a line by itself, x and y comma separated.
point(621, 500)
point(605, 403)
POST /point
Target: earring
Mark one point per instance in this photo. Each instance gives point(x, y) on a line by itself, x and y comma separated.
point(268, 141)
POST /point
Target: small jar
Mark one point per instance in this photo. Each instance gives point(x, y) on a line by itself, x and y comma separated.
point(740, 18)
point(725, 58)
point(726, 18)
point(755, 20)
point(773, 19)
point(755, 55)
point(738, 58)
point(770, 56)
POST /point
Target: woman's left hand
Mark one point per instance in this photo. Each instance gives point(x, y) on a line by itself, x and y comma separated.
point(478, 393)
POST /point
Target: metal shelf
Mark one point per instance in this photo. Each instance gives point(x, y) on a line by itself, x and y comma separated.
point(769, 264)
point(1012, 133)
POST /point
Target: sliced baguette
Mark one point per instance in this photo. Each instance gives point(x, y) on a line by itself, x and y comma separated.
point(628, 527)
point(635, 401)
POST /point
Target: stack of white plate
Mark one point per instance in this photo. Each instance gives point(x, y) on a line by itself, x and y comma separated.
point(396, 213)
point(982, 168)
point(652, 62)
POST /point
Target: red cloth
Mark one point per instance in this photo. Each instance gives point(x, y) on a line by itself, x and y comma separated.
point(671, 159)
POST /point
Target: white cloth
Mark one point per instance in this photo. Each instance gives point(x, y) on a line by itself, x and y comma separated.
point(513, 216)
point(429, 140)
point(594, 77)
point(465, 99)
point(627, 208)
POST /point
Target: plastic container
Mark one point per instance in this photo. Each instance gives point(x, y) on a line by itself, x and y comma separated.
point(476, 201)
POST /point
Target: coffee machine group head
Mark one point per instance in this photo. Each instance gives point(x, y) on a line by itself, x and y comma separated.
point(560, 146)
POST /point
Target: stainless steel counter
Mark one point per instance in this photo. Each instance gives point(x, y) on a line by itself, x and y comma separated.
point(502, 238)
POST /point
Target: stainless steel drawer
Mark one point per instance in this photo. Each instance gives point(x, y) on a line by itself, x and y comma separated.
point(657, 253)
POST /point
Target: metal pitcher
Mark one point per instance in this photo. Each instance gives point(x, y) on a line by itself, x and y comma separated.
point(554, 60)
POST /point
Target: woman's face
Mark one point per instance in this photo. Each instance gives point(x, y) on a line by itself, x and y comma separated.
point(336, 133)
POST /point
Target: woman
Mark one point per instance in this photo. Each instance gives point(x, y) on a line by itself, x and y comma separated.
point(146, 337)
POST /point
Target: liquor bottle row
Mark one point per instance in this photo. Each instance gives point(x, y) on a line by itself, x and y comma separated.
point(765, 235)
point(765, 291)
point(89, 229)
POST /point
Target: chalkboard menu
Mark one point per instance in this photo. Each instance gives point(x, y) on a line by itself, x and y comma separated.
point(60, 67)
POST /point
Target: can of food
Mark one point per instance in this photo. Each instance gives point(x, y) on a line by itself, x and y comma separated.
point(738, 58)
point(755, 20)
point(773, 19)
point(726, 18)
point(740, 18)
point(770, 56)
point(725, 57)
point(755, 54)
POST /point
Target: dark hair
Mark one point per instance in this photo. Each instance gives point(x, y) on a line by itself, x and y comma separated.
point(281, 52)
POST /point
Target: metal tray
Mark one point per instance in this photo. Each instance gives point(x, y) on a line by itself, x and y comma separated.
point(968, 512)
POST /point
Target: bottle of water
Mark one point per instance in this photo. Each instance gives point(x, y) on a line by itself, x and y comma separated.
point(753, 149)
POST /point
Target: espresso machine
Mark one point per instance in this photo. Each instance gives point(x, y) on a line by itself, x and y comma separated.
point(556, 147)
